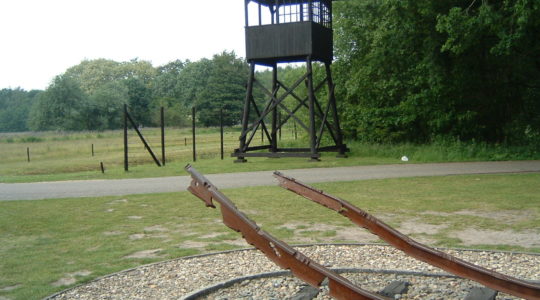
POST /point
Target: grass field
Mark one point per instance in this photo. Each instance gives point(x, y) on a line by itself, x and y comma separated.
point(68, 156)
point(49, 245)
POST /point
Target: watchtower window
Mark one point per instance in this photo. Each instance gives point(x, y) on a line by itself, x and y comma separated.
point(291, 13)
point(322, 14)
point(266, 12)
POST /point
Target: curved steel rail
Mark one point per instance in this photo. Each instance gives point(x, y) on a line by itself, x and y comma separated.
point(417, 250)
point(279, 252)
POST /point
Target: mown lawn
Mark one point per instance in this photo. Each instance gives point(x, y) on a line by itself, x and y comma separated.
point(70, 241)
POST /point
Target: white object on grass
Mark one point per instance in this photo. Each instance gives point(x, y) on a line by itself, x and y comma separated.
point(404, 158)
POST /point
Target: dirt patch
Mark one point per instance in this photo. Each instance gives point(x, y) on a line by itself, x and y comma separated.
point(119, 201)
point(137, 236)
point(470, 236)
point(251, 212)
point(70, 278)
point(140, 236)
point(210, 236)
point(502, 216)
point(238, 242)
point(202, 245)
point(64, 281)
point(296, 226)
point(92, 249)
point(416, 227)
point(183, 230)
point(156, 228)
point(10, 288)
point(355, 234)
point(154, 253)
point(158, 236)
point(111, 233)
point(193, 244)
point(351, 233)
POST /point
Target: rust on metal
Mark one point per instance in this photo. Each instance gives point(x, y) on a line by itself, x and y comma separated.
point(279, 252)
point(447, 262)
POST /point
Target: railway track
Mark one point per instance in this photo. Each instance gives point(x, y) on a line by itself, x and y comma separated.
point(315, 274)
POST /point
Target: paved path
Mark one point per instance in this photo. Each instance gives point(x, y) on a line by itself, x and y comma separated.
point(89, 188)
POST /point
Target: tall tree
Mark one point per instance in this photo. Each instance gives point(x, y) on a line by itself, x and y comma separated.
point(168, 93)
point(139, 99)
point(225, 88)
point(193, 80)
point(93, 74)
point(167, 83)
point(60, 107)
point(15, 105)
point(105, 109)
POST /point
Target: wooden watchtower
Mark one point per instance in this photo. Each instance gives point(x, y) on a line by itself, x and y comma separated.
point(285, 31)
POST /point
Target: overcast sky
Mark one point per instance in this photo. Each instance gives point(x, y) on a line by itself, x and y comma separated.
point(42, 38)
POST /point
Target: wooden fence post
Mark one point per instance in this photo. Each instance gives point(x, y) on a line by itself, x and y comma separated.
point(162, 136)
point(193, 130)
point(126, 163)
point(221, 130)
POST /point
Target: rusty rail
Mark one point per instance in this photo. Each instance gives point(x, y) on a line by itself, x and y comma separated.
point(417, 250)
point(279, 252)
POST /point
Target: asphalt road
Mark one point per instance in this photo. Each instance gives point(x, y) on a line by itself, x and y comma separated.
point(91, 188)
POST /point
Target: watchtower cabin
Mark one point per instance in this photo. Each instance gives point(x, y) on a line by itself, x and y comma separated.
point(290, 31)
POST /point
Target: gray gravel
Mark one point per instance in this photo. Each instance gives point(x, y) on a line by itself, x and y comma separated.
point(177, 278)
point(422, 287)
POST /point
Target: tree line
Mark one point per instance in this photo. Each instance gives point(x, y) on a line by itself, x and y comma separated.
point(406, 71)
point(91, 95)
point(420, 71)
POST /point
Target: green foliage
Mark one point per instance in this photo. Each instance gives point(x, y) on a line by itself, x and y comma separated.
point(109, 85)
point(105, 111)
point(92, 75)
point(416, 71)
point(499, 42)
point(192, 81)
point(91, 95)
point(15, 105)
point(61, 107)
point(225, 88)
point(166, 83)
point(139, 100)
point(176, 113)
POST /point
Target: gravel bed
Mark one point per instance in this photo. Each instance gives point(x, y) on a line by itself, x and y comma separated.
point(177, 278)
point(286, 287)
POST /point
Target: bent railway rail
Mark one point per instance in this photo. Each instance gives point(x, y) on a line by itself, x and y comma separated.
point(279, 252)
point(314, 274)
